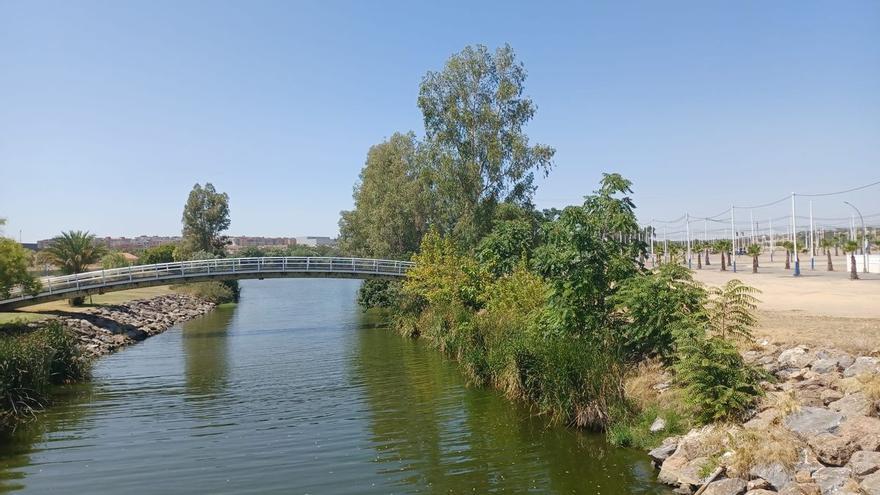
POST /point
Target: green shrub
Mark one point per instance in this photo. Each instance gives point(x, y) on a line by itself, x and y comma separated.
point(32, 361)
point(719, 383)
point(215, 292)
point(113, 259)
point(656, 306)
point(157, 254)
point(378, 294)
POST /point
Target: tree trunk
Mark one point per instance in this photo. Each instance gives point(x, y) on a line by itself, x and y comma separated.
point(707, 257)
point(853, 271)
point(754, 264)
point(723, 266)
point(836, 252)
point(787, 259)
point(699, 262)
point(830, 266)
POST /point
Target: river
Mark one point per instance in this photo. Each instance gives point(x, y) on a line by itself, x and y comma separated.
point(296, 391)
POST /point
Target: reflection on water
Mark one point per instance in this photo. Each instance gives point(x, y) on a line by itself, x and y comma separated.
point(205, 349)
point(296, 391)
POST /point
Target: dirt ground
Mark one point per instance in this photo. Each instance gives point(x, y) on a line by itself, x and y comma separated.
point(817, 308)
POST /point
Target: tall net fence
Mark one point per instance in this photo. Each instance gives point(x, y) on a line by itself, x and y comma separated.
point(807, 225)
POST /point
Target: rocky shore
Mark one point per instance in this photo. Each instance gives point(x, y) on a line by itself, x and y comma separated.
point(105, 329)
point(817, 432)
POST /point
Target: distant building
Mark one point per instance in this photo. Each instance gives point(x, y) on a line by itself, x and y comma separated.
point(315, 241)
point(126, 243)
point(236, 243)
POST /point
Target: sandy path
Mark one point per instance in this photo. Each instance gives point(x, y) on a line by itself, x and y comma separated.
point(819, 307)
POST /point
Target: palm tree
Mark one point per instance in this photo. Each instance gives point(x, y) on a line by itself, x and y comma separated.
point(697, 247)
point(851, 247)
point(827, 244)
point(754, 250)
point(706, 247)
point(723, 246)
point(73, 252)
point(789, 247)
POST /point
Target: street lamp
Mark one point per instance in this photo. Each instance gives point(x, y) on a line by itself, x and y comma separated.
point(864, 238)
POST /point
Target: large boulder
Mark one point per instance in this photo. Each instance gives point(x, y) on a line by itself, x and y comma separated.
point(823, 366)
point(729, 486)
point(843, 359)
point(864, 462)
point(810, 421)
point(775, 473)
point(833, 450)
point(871, 484)
point(794, 358)
point(832, 480)
point(863, 431)
point(661, 453)
point(852, 405)
point(863, 365)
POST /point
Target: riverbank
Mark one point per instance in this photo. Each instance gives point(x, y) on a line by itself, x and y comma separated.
point(816, 431)
point(105, 329)
point(60, 347)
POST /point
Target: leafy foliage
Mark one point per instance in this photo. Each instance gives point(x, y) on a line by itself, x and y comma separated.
point(444, 276)
point(589, 251)
point(157, 254)
point(379, 293)
point(113, 259)
point(509, 243)
point(730, 310)
point(391, 202)
point(74, 251)
point(32, 361)
point(719, 384)
point(215, 292)
point(205, 217)
point(474, 112)
point(656, 307)
point(14, 269)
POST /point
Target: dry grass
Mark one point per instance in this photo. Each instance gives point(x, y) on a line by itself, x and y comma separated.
point(784, 402)
point(868, 384)
point(641, 382)
point(752, 447)
point(856, 335)
point(641, 386)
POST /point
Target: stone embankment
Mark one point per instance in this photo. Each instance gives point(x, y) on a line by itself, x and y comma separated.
point(817, 432)
point(105, 329)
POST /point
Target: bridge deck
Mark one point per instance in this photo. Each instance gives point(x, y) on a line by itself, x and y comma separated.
point(100, 281)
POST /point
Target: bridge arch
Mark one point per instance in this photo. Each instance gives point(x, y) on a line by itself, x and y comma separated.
point(116, 279)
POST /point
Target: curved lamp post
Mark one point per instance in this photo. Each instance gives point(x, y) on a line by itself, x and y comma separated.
point(864, 238)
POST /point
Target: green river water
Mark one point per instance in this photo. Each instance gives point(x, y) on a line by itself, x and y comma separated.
point(296, 391)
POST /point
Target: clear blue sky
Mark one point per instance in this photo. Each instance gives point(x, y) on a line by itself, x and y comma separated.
point(111, 111)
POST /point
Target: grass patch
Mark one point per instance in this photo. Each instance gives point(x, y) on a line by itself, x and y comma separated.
point(636, 431)
point(108, 299)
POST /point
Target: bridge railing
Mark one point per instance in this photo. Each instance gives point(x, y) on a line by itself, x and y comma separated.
point(219, 267)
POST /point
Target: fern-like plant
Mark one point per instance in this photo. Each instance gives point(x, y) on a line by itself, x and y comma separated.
point(731, 308)
point(720, 385)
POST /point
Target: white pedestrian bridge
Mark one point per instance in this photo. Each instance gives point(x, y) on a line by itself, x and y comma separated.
point(101, 281)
